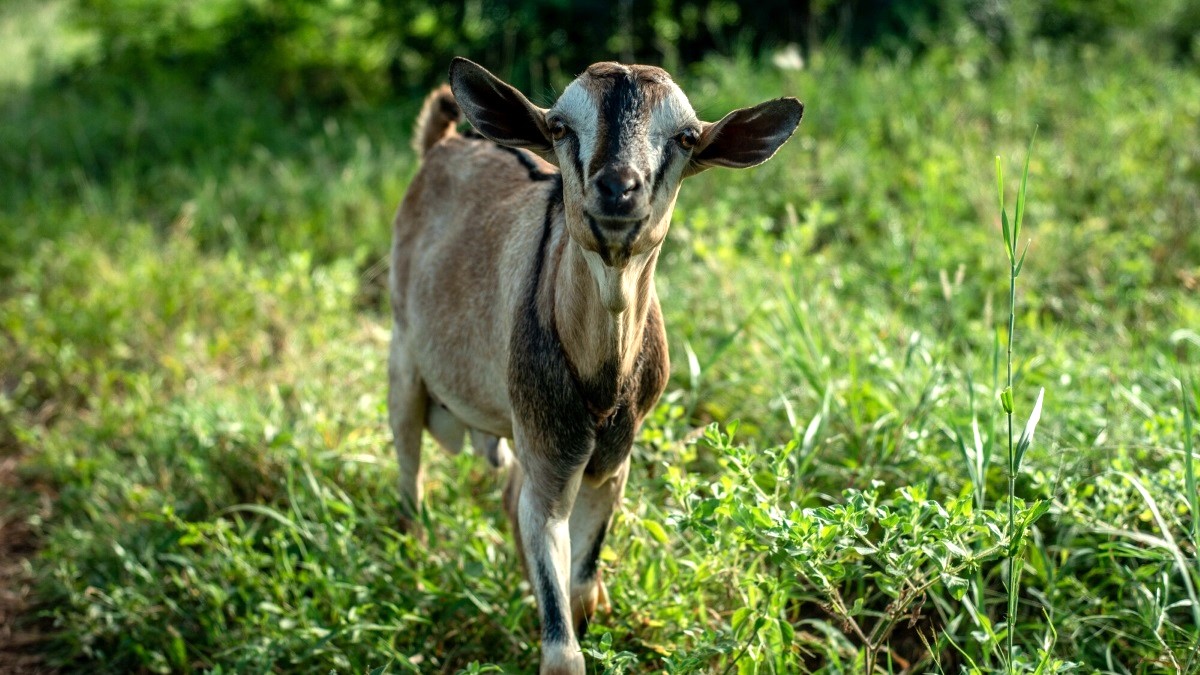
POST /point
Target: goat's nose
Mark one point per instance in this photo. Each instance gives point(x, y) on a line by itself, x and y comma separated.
point(618, 186)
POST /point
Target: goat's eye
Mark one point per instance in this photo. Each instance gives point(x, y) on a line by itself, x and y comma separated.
point(557, 129)
point(687, 139)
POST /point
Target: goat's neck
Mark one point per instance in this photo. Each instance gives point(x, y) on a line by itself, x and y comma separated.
point(600, 311)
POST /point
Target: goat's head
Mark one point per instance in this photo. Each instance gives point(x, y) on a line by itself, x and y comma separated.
point(624, 137)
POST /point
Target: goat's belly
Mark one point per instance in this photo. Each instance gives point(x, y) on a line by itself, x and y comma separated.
point(474, 396)
point(473, 416)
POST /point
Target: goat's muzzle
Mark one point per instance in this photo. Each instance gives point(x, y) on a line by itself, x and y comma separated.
point(620, 198)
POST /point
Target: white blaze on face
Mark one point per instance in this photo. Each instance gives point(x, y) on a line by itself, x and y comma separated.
point(671, 116)
point(582, 115)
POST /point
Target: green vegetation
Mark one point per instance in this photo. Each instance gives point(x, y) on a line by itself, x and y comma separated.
point(192, 318)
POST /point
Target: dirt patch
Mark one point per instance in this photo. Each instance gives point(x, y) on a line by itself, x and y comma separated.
point(20, 635)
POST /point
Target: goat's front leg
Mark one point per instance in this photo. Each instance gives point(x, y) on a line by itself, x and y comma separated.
point(547, 495)
point(598, 498)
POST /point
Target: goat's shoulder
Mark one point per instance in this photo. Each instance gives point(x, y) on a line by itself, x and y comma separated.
point(466, 185)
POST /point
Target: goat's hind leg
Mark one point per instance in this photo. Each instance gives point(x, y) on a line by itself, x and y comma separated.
point(492, 448)
point(407, 403)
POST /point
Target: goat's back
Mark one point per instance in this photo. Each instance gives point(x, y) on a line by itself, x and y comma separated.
point(466, 241)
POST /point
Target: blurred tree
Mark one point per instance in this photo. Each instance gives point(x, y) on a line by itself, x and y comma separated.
point(349, 50)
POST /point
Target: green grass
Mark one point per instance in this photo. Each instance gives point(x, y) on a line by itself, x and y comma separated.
point(194, 335)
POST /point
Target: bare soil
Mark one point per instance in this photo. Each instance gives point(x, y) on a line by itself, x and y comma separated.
point(20, 633)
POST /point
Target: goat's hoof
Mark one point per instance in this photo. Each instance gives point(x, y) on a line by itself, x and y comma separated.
point(558, 659)
point(411, 526)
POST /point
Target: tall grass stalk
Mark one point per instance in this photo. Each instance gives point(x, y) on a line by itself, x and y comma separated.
point(1189, 469)
point(1016, 448)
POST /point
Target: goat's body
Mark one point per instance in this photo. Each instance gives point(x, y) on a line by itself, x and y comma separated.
point(524, 305)
point(461, 283)
point(476, 346)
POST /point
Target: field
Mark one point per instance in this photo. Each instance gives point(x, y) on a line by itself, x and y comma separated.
point(193, 330)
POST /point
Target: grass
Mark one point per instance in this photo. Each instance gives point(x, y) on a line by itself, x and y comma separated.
point(194, 329)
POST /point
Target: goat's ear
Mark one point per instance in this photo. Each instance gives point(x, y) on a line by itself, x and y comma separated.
point(746, 137)
point(496, 109)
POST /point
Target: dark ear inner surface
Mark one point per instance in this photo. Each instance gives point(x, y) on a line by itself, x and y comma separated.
point(496, 109)
point(747, 136)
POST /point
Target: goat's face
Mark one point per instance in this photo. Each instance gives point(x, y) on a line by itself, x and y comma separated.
point(624, 137)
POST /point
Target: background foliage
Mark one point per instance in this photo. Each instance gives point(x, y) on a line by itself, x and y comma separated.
point(338, 50)
point(195, 206)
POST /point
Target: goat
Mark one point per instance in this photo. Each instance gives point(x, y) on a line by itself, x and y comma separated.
point(523, 300)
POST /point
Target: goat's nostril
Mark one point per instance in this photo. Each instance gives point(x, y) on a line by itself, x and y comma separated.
point(618, 184)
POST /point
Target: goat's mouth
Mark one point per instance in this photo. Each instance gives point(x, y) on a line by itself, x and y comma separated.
point(614, 237)
point(619, 223)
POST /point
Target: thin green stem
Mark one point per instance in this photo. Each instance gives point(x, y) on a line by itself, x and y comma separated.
point(1189, 471)
point(1012, 470)
point(1015, 262)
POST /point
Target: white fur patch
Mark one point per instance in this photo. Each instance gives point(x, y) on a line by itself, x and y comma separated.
point(582, 115)
point(617, 285)
point(673, 114)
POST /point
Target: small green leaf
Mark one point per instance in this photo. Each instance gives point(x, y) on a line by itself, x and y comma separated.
point(956, 585)
point(1034, 513)
point(1008, 246)
point(787, 631)
point(1006, 400)
point(739, 618)
point(1000, 183)
point(656, 531)
point(1021, 262)
point(178, 650)
point(694, 371)
point(1020, 214)
point(1030, 426)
